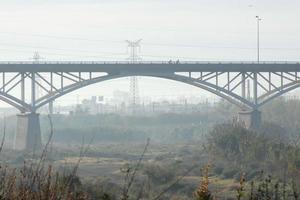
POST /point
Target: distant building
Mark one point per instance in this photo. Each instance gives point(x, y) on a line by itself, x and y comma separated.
point(91, 106)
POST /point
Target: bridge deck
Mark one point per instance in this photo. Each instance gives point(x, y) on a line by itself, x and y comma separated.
point(148, 67)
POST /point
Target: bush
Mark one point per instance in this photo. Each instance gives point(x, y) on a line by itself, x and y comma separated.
point(218, 170)
point(230, 172)
point(159, 174)
point(252, 174)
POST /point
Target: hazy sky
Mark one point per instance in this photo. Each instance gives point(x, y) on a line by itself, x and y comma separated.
point(170, 29)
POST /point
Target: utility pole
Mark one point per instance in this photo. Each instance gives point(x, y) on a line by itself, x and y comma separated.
point(258, 19)
point(133, 57)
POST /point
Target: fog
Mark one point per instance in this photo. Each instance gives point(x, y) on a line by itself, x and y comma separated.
point(173, 140)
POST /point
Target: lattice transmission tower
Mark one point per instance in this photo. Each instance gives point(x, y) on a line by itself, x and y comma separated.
point(134, 47)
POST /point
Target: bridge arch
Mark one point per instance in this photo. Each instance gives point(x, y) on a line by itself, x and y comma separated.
point(277, 93)
point(221, 92)
point(15, 102)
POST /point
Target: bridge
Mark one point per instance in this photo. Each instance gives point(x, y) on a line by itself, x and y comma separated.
point(248, 85)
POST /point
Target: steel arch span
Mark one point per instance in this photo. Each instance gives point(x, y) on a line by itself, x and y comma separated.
point(247, 85)
point(231, 97)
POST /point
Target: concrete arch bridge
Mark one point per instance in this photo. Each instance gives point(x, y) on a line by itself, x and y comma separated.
point(248, 85)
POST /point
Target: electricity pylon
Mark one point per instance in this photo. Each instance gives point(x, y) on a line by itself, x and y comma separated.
point(133, 47)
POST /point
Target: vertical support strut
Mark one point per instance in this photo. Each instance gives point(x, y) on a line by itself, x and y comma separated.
point(243, 85)
point(79, 76)
point(270, 81)
point(51, 90)
point(23, 88)
point(217, 80)
point(281, 80)
point(62, 81)
point(3, 81)
point(51, 80)
point(228, 80)
point(255, 88)
point(33, 91)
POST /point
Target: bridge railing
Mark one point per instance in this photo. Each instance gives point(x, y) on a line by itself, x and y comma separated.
point(143, 62)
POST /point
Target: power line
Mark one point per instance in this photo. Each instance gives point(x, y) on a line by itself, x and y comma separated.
point(59, 49)
point(62, 54)
point(65, 38)
point(219, 47)
point(104, 54)
point(80, 56)
point(157, 44)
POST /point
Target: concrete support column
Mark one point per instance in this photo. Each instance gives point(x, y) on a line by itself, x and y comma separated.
point(28, 134)
point(51, 107)
point(252, 119)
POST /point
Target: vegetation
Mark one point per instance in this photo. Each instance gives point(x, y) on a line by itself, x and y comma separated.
point(250, 156)
point(243, 164)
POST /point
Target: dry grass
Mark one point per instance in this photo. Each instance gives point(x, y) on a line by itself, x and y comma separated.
point(202, 192)
point(31, 183)
point(38, 181)
point(34, 181)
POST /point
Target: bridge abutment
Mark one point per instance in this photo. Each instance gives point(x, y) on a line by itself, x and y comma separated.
point(28, 134)
point(251, 118)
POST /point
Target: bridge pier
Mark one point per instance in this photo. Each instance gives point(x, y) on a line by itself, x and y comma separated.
point(28, 134)
point(51, 107)
point(251, 119)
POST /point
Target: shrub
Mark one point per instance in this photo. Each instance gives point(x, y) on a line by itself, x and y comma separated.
point(230, 172)
point(159, 174)
point(218, 170)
